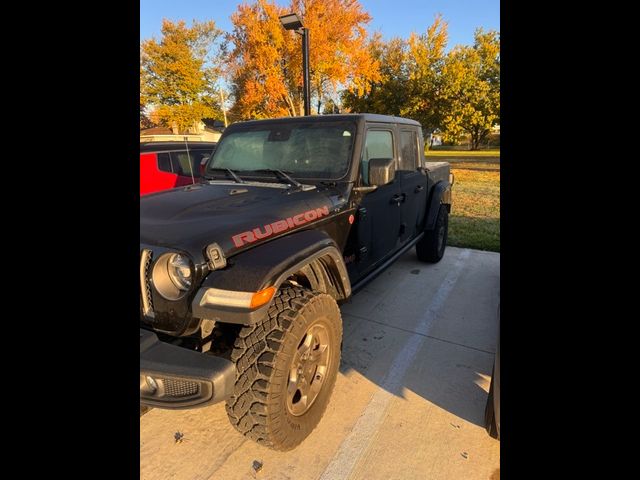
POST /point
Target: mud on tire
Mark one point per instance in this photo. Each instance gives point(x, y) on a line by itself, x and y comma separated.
point(265, 405)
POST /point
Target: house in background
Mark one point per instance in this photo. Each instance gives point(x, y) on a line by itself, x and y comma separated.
point(204, 131)
point(435, 140)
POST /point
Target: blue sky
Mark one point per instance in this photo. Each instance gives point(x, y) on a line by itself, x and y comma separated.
point(390, 17)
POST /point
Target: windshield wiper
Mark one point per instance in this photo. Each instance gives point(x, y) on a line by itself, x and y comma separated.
point(233, 174)
point(283, 174)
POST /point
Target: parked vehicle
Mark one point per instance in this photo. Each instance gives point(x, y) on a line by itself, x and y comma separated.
point(241, 275)
point(166, 165)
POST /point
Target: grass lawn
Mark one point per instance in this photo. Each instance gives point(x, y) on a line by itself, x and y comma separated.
point(475, 214)
point(477, 165)
point(463, 153)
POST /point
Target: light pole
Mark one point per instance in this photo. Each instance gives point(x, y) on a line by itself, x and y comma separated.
point(291, 21)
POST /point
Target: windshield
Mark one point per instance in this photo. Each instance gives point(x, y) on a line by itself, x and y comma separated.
point(311, 150)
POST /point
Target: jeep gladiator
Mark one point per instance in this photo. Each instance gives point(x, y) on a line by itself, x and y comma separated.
point(241, 275)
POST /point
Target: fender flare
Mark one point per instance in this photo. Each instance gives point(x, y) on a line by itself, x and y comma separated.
point(270, 264)
point(440, 195)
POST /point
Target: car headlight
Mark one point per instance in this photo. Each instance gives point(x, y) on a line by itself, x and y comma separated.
point(172, 275)
point(180, 271)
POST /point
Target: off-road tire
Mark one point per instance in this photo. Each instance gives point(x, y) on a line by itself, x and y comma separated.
point(263, 354)
point(434, 242)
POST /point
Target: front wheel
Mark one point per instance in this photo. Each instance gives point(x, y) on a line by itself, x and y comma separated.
point(432, 245)
point(287, 367)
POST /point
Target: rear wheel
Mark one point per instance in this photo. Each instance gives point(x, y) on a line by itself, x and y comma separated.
point(287, 367)
point(434, 242)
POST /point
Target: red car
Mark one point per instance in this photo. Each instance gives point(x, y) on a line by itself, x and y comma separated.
point(166, 165)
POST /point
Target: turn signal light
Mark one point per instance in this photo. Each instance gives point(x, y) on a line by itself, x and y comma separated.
point(262, 297)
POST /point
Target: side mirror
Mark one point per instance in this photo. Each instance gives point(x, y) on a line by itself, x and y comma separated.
point(381, 171)
point(203, 164)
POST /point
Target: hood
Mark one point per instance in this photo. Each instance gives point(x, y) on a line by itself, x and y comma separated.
point(236, 216)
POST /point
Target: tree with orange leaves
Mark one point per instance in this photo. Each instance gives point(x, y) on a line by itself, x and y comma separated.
point(265, 65)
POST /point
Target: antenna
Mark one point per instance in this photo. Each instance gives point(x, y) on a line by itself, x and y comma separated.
point(186, 144)
point(224, 112)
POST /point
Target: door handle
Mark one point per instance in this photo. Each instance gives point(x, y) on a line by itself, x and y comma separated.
point(398, 198)
point(419, 188)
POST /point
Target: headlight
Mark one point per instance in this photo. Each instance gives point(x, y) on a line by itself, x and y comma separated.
point(172, 275)
point(180, 271)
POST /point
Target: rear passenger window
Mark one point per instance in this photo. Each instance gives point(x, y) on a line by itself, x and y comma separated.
point(164, 163)
point(178, 162)
point(181, 163)
point(379, 144)
point(409, 149)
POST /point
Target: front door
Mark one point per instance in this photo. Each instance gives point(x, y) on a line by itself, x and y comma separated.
point(380, 212)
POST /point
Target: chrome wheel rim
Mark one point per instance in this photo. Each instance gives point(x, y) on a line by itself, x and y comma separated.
point(308, 370)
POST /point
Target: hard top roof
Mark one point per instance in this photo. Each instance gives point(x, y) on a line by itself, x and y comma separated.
point(176, 145)
point(368, 117)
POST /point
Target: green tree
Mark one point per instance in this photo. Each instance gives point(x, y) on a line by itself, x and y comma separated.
point(331, 106)
point(178, 75)
point(457, 93)
point(390, 94)
point(470, 94)
point(409, 77)
point(426, 59)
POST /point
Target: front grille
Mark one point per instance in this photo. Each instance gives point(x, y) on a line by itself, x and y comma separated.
point(179, 388)
point(145, 287)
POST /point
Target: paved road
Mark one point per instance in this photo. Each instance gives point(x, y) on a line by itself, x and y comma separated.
point(408, 403)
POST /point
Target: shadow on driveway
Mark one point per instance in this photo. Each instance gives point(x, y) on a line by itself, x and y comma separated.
point(449, 362)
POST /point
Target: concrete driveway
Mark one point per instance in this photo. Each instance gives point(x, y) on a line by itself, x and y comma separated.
point(409, 400)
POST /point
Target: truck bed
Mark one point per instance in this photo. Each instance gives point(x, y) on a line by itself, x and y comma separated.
point(438, 171)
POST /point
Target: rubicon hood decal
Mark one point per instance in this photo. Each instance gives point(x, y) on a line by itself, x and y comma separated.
point(189, 220)
point(279, 226)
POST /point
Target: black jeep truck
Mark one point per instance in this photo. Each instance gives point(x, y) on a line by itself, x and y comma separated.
point(241, 275)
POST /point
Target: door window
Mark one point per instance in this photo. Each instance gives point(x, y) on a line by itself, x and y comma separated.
point(379, 144)
point(178, 162)
point(409, 149)
point(164, 163)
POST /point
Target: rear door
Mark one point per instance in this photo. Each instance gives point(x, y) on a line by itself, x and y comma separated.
point(379, 214)
point(413, 179)
point(156, 173)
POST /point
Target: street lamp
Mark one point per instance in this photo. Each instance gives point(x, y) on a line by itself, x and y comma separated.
point(291, 21)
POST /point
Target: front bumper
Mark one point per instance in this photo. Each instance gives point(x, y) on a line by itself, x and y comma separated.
point(177, 378)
